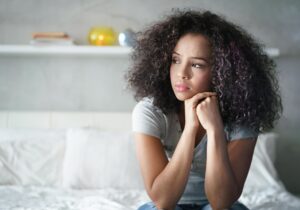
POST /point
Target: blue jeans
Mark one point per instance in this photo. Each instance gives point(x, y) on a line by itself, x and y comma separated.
point(151, 206)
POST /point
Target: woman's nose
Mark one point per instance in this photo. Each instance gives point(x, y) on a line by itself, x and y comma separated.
point(183, 72)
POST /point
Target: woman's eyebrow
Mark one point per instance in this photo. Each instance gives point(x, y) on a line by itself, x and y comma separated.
point(199, 58)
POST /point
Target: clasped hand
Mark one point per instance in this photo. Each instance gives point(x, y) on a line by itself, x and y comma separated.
point(203, 108)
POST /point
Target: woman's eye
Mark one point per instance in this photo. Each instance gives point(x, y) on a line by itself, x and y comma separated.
point(174, 60)
point(198, 66)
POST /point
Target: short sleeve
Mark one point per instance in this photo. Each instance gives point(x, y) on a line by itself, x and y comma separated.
point(241, 132)
point(148, 119)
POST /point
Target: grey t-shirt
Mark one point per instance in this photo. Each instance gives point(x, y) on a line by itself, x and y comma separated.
point(150, 120)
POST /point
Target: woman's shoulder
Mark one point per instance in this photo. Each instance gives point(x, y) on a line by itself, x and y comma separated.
point(148, 119)
point(239, 131)
point(147, 105)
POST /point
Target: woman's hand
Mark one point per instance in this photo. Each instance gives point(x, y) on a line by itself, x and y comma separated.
point(208, 113)
point(190, 105)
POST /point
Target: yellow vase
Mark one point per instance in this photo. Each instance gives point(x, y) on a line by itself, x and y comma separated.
point(101, 36)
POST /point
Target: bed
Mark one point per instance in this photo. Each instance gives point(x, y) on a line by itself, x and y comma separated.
point(86, 161)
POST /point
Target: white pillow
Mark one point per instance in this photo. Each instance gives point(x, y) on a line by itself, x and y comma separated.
point(31, 156)
point(100, 159)
point(262, 173)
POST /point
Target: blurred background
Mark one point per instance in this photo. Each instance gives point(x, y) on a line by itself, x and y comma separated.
point(87, 82)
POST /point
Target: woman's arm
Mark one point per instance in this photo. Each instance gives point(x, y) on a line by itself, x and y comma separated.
point(227, 164)
point(165, 181)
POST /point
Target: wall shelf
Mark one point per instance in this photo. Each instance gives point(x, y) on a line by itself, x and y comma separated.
point(64, 50)
point(82, 50)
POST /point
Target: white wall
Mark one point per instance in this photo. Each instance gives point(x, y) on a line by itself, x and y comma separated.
point(82, 83)
point(64, 82)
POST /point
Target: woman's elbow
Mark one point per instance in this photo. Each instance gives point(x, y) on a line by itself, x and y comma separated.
point(219, 204)
point(162, 203)
point(161, 198)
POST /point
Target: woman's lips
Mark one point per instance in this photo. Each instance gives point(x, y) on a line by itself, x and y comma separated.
point(181, 87)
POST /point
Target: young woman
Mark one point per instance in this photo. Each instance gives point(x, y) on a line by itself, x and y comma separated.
point(206, 91)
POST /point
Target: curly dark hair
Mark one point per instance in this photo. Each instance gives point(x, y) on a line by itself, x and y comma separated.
point(243, 76)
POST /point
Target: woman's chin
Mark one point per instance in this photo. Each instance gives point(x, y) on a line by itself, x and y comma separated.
point(182, 97)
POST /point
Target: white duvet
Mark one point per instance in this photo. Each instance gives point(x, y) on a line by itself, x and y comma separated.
point(46, 198)
point(271, 198)
point(34, 158)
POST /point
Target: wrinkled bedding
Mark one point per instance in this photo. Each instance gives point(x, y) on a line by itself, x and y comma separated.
point(271, 198)
point(47, 198)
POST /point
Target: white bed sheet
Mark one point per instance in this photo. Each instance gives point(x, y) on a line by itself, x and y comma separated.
point(47, 198)
point(270, 198)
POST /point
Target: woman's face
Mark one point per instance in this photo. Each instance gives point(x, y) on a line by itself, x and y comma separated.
point(190, 71)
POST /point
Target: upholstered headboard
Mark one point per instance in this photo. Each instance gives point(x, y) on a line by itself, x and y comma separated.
point(111, 121)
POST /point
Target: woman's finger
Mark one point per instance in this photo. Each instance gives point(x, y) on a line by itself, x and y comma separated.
point(201, 96)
